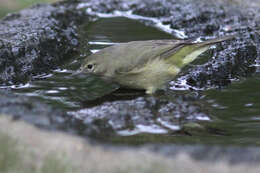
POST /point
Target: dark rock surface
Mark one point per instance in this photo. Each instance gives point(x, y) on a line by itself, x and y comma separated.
point(35, 41)
point(231, 154)
point(32, 111)
point(160, 114)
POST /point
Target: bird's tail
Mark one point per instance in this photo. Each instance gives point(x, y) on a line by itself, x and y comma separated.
point(210, 41)
point(190, 50)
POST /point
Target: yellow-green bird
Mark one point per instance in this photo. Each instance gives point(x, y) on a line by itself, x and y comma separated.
point(147, 65)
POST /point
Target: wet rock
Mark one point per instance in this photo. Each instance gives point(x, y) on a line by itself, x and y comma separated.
point(31, 41)
point(229, 62)
point(32, 111)
point(140, 115)
point(159, 9)
point(213, 153)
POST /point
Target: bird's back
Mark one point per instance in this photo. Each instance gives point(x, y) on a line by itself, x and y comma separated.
point(126, 56)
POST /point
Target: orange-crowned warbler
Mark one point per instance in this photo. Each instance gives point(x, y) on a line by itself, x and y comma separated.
point(147, 65)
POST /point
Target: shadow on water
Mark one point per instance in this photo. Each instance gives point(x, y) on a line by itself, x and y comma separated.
point(120, 94)
point(226, 116)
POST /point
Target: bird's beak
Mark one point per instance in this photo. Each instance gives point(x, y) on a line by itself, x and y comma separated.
point(78, 72)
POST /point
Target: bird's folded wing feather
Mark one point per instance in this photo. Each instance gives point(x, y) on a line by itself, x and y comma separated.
point(173, 51)
point(147, 51)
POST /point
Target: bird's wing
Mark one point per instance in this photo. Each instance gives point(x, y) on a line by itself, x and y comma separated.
point(174, 52)
point(188, 50)
point(143, 52)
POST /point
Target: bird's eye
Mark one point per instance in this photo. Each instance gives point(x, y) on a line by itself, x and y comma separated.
point(90, 67)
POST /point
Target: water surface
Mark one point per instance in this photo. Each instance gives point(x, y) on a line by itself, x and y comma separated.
point(231, 116)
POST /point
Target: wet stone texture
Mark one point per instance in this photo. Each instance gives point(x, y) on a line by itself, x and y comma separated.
point(32, 111)
point(140, 115)
point(39, 39)
point(35, 41)
point(230, 62)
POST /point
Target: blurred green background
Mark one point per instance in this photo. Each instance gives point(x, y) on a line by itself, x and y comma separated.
point(7, 6)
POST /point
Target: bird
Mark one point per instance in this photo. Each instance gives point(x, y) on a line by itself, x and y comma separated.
point(147, 65)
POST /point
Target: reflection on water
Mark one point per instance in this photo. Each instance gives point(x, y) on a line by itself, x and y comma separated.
point(117, 30)
point(65, 90)
point(230, 115)
point(238, 110)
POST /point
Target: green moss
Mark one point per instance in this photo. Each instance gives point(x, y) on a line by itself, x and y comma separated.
point(26, 3)
point(18, 5)
point(9, 156)
point(153, 167)
point(12, 160)
point(4, 11)
point(53, 165)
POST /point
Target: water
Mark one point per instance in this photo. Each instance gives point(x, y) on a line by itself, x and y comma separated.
point(238, 110)
point(232, 114)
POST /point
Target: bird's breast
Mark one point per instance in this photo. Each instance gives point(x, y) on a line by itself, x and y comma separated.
point(154, 73)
